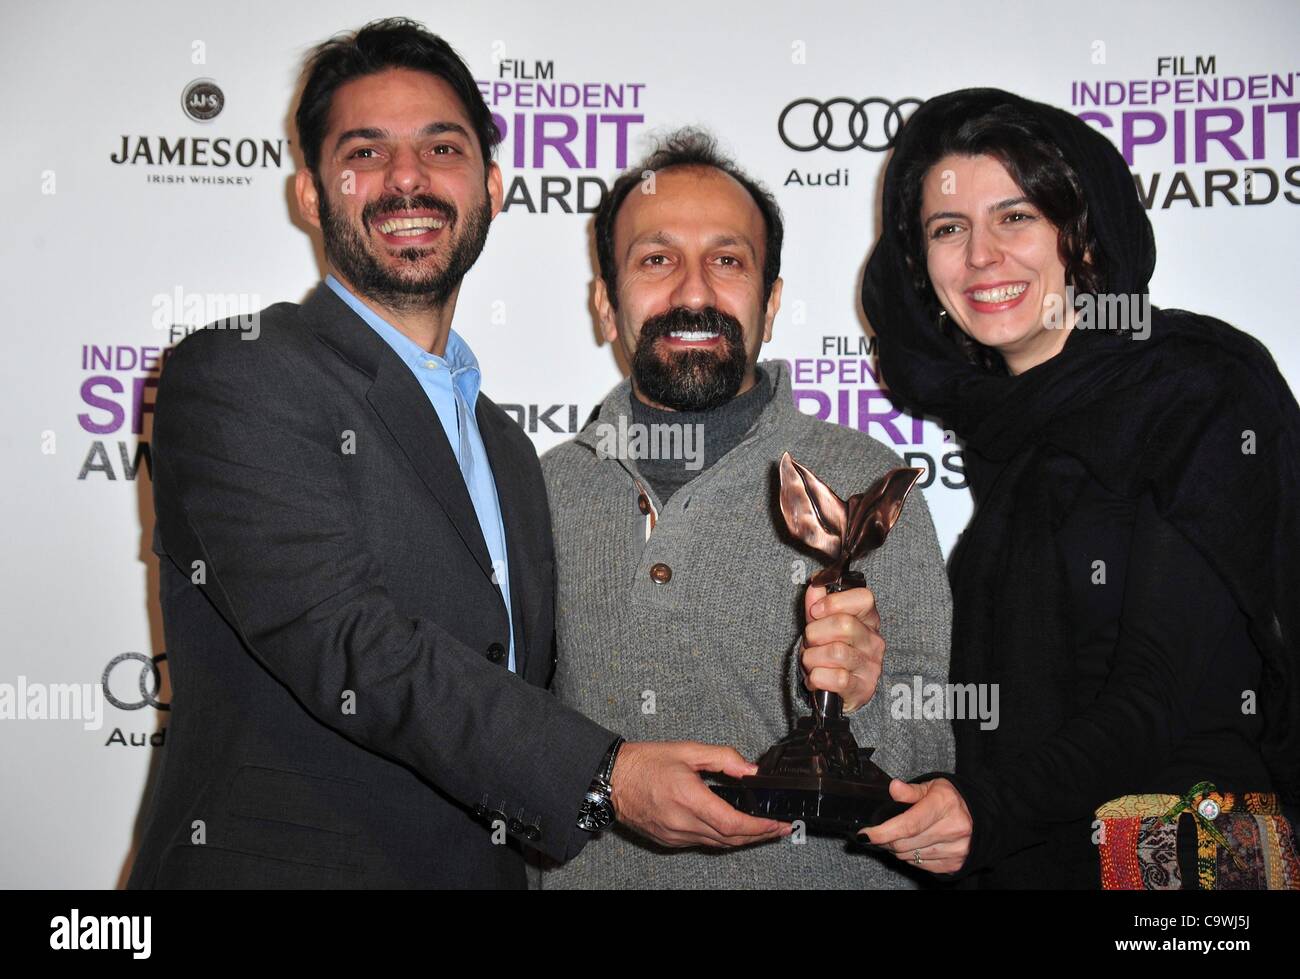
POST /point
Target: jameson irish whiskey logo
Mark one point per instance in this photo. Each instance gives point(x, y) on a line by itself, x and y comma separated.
point(202, 100)
point(183, 159)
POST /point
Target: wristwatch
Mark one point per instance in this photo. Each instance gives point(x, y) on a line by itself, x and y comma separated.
point(597, 810)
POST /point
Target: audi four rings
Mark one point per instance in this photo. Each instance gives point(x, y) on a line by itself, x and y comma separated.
point(148, 672)
point(816, 128)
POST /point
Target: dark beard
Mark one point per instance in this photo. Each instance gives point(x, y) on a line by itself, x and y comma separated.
point(690, 380)
point(348, 252)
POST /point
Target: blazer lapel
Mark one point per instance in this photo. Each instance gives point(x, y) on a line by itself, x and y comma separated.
point(404, 409)
point(516, 505)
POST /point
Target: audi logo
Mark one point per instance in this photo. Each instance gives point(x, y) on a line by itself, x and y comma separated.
point(842, 124)
point(150, 681)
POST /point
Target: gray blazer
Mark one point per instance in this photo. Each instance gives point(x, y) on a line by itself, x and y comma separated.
point(342, 715)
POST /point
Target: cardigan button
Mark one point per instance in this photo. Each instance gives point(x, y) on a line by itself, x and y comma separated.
point(643, 503)
point(661, 574)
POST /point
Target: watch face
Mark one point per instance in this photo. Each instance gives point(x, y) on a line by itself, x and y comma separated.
point(596, 813)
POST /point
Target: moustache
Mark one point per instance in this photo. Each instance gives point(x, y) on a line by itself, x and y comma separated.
point(709, 319)
point(421, 202)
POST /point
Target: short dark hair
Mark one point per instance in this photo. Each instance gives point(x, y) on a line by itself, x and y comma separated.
point(1023, 146)
point(688, 147)
point(394, 42)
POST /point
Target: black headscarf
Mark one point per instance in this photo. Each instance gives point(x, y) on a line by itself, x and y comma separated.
point(1169, 415)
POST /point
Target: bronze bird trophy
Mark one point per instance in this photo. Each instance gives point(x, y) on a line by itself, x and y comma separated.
point(817, 773)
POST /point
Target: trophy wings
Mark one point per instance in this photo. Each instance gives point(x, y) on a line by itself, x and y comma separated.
point(841, 530)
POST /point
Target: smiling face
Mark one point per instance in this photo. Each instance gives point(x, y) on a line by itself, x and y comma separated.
point(993, 260)
point(401, 196)
point(691, 315)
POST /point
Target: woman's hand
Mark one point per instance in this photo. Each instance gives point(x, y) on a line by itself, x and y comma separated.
point(936, 829)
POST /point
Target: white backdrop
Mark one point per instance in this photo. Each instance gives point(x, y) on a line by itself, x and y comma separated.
point(96, 253)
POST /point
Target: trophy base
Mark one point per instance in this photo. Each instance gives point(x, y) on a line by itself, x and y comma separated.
point(816, 774)
point(825, 805)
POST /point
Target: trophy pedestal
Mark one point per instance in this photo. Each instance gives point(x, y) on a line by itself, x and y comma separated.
point(817, 774)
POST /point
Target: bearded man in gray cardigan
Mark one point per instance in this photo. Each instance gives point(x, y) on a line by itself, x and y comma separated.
point(680, 596)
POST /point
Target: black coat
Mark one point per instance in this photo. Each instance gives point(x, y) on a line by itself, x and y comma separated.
point(1190, 429)
point(1160, 657)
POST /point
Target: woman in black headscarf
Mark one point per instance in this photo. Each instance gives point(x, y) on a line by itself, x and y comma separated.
point(1129, 577)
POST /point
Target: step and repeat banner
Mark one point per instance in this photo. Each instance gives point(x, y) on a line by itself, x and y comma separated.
point(147, 190)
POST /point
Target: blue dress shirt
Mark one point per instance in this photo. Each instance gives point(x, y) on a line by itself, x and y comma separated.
point(452, 383)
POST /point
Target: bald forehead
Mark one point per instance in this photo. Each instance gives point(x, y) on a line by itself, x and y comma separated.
point(688, 174)
point(690, 201)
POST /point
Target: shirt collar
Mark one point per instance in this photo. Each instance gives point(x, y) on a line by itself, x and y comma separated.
point(458, 359)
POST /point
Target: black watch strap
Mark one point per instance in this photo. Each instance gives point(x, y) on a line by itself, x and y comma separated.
point(597, 810)
point(607, 764)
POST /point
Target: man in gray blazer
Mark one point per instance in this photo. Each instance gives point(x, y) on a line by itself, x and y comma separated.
point(668, 540)
point(357, 575)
